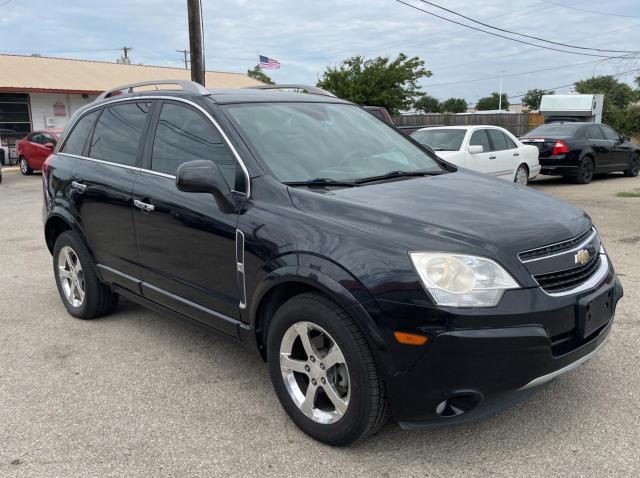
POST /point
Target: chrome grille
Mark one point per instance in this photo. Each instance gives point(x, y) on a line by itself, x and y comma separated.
point(555, 248)
point(568, 279)
point(557, 268)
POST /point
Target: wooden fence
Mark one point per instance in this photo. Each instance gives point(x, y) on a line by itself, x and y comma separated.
point(517, 123)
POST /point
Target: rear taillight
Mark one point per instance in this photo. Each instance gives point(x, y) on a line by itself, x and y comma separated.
point(560, 148)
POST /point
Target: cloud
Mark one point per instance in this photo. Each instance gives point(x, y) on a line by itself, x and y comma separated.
point(306, 36)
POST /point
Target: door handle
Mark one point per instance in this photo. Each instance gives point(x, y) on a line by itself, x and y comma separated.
point(492, 157)
point(143, 206)
point(516, 154)
point(78, 186)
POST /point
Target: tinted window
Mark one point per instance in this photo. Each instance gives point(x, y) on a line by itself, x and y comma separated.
point(479, 138)
point(305, 141)
point(510, 143)
point(117, 133)
point(185, 135)
point(47, 138)
point(563, 130)
point(594, 132)
point(609, 133)
point(33, 137)
point(498, 140)
point(441, 139)
point(78, 136)
point(378, 114)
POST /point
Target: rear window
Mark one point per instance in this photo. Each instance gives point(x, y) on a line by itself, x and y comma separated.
point(78, 136)
point(555, 129)
point(441, 139)
point(117, 134)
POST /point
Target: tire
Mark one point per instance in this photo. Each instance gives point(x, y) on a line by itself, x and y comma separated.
point(522, 175)
point(634, 167)
point(24, 166)
point(354, 381)
point(586, 170)
point(82, 293)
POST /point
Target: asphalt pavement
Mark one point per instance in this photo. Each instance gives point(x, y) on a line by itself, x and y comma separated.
point(139, 394)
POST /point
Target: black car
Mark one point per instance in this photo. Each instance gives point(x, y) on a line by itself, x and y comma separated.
point(580, 150)
point(375, 279)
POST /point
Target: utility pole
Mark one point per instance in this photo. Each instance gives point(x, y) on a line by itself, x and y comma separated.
point(196, 48)
point(124, 59)
point(186, 58)
point(500, 97)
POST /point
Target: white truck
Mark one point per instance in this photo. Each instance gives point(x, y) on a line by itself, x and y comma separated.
point(572, 108)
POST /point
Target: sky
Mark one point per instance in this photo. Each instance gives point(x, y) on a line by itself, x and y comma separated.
point(306, 36)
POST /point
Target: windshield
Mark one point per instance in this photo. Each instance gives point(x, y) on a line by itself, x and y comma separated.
point(555, 129)
point(441, 139)
point(301, 142)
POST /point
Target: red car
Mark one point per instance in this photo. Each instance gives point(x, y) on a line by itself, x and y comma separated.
point(34, 148)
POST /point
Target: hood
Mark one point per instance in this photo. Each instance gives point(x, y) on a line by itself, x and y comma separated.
point(464, 206)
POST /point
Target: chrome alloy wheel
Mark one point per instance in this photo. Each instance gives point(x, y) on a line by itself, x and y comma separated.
point(315, 372)
point(24, 166)
point(71, 276)
point(522, 176)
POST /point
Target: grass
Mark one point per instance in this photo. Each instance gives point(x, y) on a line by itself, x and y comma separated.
point(628, 194)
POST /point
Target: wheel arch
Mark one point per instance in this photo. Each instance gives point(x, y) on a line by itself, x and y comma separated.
point(58, 222)
point(282, 284)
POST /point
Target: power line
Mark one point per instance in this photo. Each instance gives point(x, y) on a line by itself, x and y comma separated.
point(522, 34)
point(498, 34)
point(571, 84)
point(512, 74)
point(587, 10)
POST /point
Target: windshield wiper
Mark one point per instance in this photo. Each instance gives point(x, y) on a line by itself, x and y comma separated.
point(398, 174)
point(321, 182)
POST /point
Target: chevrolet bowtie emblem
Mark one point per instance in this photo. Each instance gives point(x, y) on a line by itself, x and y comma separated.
point(582, 257)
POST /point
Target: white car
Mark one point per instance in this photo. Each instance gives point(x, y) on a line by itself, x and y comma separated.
point(487, 149)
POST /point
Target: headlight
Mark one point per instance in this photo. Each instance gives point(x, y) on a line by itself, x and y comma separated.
point(458, 280)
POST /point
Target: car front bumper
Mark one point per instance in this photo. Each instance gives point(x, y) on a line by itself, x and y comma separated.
point(468, 373)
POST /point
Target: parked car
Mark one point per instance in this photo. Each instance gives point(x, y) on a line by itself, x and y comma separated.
point(380, 112)
point(34, 148)
point(579, 150)
point(486, 149)
point(374, 278)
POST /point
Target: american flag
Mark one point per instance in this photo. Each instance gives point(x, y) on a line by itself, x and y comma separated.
point(268, 63)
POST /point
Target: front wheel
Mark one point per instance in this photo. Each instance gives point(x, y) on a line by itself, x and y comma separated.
point(634, 167)
point(323, 371)
point(24, 166)
point(585, 171)
point(522, 175)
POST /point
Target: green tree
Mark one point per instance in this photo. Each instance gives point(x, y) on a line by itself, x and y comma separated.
point(258, 74)
point(615, 92)
point(427, 104)
point(492, 102)
point(617, 98)
point(532, 98)
point(454, 105)
point(378, 81)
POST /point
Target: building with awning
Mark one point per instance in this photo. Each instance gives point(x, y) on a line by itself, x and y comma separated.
point(39, 93)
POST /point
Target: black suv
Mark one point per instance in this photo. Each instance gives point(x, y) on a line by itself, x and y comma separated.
point(374, 278)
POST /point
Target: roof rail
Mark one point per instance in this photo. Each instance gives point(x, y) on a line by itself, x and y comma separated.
point(190, 86)
point(314, 90)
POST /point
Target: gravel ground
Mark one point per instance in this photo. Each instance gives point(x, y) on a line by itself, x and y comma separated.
point(138, 394)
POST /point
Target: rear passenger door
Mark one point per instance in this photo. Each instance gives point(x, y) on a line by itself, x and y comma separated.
point(503, 154)
point(103, 180)
point(187, 245)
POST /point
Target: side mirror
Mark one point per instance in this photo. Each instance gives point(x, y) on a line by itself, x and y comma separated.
point(204, 176)
point(49, 145)
point(476, 149)
point(626, 139)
